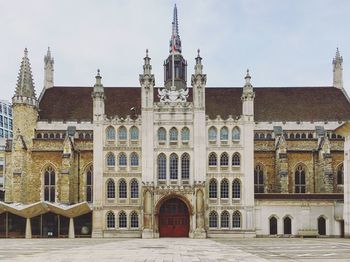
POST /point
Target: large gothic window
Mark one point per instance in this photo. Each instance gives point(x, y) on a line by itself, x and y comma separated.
point(258, 179)
point(185, 134)
point(110, 133)
point(213, 188)
point(300, 179)
point(212, 159)
point(161, 135)
point(134, 219)
point(49, 184)
point(122, 220)
point(110, 220)
point(134, 159)
point(89, 184)
point(225, 217)
point(173, 166)
point(340, 175)
point(134, 189)
point(185, 166)
point(236, 189)
point(224, 134)
point(213, 219)
point(122, 159)
point(212, 133)
point(236, 159)
point(224, 189)
point(173, 134)
point(122, 189)
point(110, 159)
point(110, 189)
point(134, 133)
point(161, 166)
point(236, 219)
point(236, 134)
point(122, 134)
point(224, 159)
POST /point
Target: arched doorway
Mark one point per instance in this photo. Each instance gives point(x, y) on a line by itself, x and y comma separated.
point(273, 226)
point(321, 221)
point(287, 226)
point(174, 218)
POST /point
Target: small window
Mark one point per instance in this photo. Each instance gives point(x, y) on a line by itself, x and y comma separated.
point(122, 220)
point(122, 189)
point(236, 134)
point(213, 188)
point(134, 220)
point(185, 134)
point(173, 134)
point(212, 133)
point(225, 219)
point(224, 160)
point(236, 219)
point(161, 134)
point(89, 184)
point(213, 219)
point(185, 166)
point(224, 134)
point(134, 159)
point(134, 133)
point(134, 189)
point(300, 184)
point(110, 220)
point(122, 159)
point(258, 179)
point(173, 166)
point(50, 185)
point(110, 133)
point(110, 159)
point(161, 166)
point(212, 159)
point(340, 175)
point(236, 159)
point(236, 189)
point(122, 134)
point(110, 189)
point(224, 189)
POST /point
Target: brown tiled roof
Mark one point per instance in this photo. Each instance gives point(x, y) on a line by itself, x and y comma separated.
point(271, 104)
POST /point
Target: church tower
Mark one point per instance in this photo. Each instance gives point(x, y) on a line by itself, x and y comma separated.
point(338, 70)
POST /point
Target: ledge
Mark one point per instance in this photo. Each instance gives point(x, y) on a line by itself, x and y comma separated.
point(283, 196)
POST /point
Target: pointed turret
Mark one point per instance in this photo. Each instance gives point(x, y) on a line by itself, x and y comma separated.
point(175, 42)
point(25, 92)
point(338, 70)
point(48, 60)
point(147, 83)
point(248, 96)
point(98, 96)
point(198, 82)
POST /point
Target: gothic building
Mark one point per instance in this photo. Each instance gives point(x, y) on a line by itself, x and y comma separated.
point(180, 160)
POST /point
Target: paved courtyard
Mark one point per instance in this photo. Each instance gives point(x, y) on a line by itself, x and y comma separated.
point(175, 249)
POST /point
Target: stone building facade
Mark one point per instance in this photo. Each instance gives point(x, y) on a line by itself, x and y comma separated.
point(179, 160)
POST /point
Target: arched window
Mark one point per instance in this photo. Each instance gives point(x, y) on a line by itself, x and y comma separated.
point(134, 189)
point(258, 179)
point(46, 135)
point(273, 225)
point(110, 189)
point(38, 136)
point(303, 136)
point(287, 226)
point(224, 134)
point(58, 136)
point(224, 159)
point(161, 134)
point(236, 134)
point(173, 166)
point(161, 166)
point(87, 136)
point(110, 219)
point(334, 136)
point(236, 159)
point(122, 189)
point(297, 136)
point(110, 159)
point(212, 159)
point(213, 219)
point(89, 184)
point(49, 185)
point(310, 135)
point(212, 133)
point(300, 179)
point(321, 225)
point(134, 159)
point(185, 166)
point(262, 136)
point(213, 188)
point(236, 189)
point(122, 220)
point(122, 159)
point(225, 217)
point(134, 133)
point(256, 136)
point(185, 134)
point(122, 134)
point(340, 174)
point(173, 134)
point(224, 189)
point(110, 133)
point(81, 136)
point(236, 219)
point(134, 219)
point(291, 136)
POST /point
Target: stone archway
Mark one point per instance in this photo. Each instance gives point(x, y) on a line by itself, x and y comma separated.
point(173, 217)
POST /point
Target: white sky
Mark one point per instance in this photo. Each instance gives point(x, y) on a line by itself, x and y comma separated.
point(283, 43)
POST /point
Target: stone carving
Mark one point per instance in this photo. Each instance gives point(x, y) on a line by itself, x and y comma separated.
point(167, 95)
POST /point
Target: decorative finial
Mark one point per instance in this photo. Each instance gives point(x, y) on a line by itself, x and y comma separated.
point(247, 75)
point(25, 52)
point(198, 52)
point(98, 72)
point(147, 52)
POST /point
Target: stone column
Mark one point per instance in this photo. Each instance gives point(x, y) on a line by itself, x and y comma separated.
point(28, 228)
point(147, 216)
point(200, 232)
point(71, 232)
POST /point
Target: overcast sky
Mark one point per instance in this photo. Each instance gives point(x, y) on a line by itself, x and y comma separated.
point(283, 43)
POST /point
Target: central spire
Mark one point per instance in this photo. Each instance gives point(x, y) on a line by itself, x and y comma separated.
point(175, 42)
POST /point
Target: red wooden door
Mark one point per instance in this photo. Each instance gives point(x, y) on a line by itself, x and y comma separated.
point(173, 219)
